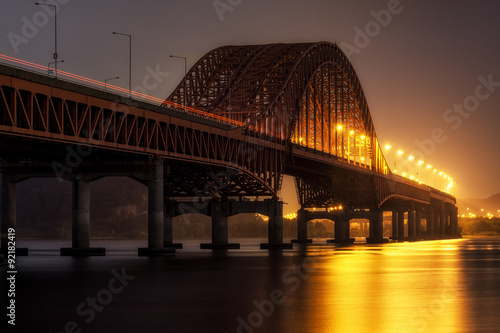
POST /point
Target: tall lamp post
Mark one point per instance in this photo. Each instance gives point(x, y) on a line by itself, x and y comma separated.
point(129, 62)
point(55, 32)
point(185, 82)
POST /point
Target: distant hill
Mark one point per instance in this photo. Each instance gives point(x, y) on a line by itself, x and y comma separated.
point(490, 205)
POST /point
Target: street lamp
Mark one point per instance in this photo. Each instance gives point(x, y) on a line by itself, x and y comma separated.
point(185, 79)
point(55, 65)
point(129, 62)
point(106, 81)
point(55, 33)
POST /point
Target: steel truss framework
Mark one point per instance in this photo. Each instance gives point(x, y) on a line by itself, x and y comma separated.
point(32, 110)
point(307, 94)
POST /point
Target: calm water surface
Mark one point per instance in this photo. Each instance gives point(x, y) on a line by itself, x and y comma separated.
point(433, 286)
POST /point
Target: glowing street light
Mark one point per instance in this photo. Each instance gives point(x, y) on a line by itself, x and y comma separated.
point(387, 147)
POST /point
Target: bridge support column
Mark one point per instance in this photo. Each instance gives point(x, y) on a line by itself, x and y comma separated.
point(168, 214)
point(377, 228)
point(447, 220)
point(220, 236)
point(418, 223)
point(454, 222)
point(275, 226)
point(341, 230)
point(8, 214)
point(401, 225)
point(81, 221)
point(394, 225)
point(302, 228)
point(442, 221)
point(155, 214)
point(431, 222)
point(411, 223)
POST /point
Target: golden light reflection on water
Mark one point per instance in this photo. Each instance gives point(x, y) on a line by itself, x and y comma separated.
point(404, 287)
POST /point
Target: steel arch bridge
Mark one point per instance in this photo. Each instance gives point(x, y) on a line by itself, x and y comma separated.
point(308, 94)
point(242, 118)
point(306, 97)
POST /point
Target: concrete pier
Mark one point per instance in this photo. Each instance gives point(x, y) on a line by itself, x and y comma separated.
point(431, 223)
point(377, 228)
point(302, 228)
point(418, 223)
point(394, 225)
point(342, 226)
point(8, 214)
point(275, 226)
point(401, 225)
point(412, 231)
point(155, 214)
point(442, 221)
point(169, 209)
point(81, 221)
point(220, 233)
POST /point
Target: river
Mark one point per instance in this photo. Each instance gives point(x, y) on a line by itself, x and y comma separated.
point(429, 286)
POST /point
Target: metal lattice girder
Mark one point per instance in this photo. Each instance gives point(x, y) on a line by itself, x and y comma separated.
point(34, 113)
point(306, 93)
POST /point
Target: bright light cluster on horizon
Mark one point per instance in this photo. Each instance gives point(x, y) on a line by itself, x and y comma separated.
point(482, 213)
point(293, 215)
point(420, 171)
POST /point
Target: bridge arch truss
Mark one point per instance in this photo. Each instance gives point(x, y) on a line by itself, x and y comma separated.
point(306, 94)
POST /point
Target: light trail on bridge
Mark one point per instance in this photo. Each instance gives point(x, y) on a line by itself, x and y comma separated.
point(162, 101)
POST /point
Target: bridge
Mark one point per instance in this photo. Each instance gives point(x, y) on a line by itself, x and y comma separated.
point(220, 144)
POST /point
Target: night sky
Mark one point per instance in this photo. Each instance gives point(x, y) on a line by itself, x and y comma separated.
point(423, 67)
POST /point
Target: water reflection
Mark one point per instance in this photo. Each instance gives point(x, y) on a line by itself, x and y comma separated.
point(435, 286)
point(405, 287)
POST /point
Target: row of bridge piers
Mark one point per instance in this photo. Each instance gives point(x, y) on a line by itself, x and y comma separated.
point(435, 221)
point(160, 214)
point(410, 222)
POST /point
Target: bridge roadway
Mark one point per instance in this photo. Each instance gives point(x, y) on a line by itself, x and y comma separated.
point(191, 162)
